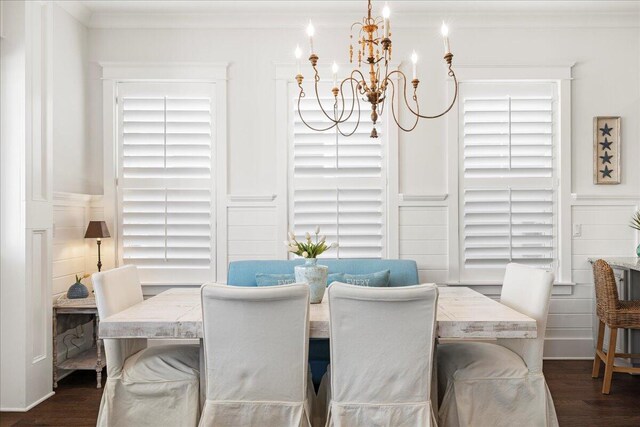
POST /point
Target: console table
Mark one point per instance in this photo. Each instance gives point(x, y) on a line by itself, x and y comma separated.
point(90, 359)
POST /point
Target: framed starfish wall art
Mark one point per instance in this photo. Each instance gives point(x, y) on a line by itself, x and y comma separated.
point(606, 150)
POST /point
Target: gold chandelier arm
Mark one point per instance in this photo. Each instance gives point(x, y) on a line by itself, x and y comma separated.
point(315, 85)
point(341, 119)
point(354, 101)
point(393, 108)
point(335, 122)
point(451, 73)
point(300, 96)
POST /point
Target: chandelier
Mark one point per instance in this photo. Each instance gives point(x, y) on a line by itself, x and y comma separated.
point(374, 50)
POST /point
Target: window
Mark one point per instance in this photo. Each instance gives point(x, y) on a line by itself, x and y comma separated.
point(508, 177)
point(166, 181)
point(337, 182)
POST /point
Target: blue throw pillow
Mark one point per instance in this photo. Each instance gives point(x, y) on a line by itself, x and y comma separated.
point(335, 277)
point(263, 279)
point(372, 280)
point(274, 279)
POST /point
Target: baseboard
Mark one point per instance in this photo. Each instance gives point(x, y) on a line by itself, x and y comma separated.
point(568, 348)
point(33, 405)
point(568, 358)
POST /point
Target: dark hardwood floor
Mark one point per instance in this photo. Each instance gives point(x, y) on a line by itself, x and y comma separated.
point(577, 398)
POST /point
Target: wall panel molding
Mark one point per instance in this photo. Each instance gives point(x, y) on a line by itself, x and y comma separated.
point(251, 199)
point(26, 181)
point(422, 199)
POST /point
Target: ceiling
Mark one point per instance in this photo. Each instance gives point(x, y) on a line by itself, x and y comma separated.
point(283, 14)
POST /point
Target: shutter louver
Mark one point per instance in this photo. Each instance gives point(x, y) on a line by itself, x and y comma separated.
point(508, 189)
point(338, 182)
point(166, 181)
point(509, 137)
point(501, 226)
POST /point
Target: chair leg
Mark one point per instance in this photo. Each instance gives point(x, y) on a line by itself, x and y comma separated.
point(595, 373)
point(611, 355)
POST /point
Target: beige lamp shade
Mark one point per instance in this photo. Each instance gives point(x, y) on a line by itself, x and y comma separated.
point(97, 230)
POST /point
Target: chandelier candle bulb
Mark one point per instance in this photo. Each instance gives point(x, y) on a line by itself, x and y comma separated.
point(414, 62)
point(310, 32)
point(334, 70)
point(386, 12)
point(445, 34)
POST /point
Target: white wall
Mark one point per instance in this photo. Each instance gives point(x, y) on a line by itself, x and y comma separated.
point(77, 163)
point(26, 204)
point(606, 81)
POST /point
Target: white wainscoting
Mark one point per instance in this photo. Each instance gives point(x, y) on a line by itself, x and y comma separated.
point(600, 229)
point(72, 254)
point(603, 231)
point(423, 237)
point(252, 232)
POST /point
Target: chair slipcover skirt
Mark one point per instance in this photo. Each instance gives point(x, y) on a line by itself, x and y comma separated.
point(259, 414)
point(490, 386)
point(254, 414)
point(158, 386)
point(419, 414)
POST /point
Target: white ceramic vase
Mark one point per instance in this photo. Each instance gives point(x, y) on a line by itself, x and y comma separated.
point(315, 275)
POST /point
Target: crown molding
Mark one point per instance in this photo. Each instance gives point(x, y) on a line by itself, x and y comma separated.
point(323, 20)
point(77, 10)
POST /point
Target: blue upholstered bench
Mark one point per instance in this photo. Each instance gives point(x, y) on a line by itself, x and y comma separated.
point(403, 273)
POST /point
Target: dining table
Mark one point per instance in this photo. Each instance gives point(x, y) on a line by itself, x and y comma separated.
point(176, 314)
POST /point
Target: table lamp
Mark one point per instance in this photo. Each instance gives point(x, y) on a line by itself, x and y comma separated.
point(97, 230)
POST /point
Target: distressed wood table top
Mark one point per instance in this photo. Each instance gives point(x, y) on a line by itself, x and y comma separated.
point(64, 302)
point(462, 313)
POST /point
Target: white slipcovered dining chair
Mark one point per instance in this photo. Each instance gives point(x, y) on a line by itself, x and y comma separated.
point(382, 342)
point(256, 345)
point(502, 384)
point(146, 386)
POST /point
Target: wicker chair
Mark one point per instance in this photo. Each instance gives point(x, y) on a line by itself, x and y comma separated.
point(615, 314)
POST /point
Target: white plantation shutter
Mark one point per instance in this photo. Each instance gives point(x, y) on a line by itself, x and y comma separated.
point(338, 182)
point(165, 183)
point(508, 186)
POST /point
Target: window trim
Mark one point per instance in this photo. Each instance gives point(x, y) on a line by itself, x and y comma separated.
point(121, 72)
point(559, 74)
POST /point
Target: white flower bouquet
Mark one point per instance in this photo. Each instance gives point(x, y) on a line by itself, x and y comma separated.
point(309, 248)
